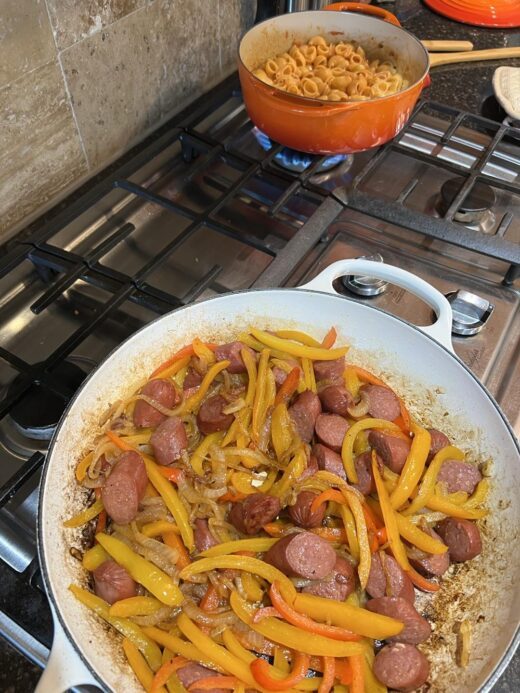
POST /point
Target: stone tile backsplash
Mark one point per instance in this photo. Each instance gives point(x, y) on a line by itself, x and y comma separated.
point(81, 81)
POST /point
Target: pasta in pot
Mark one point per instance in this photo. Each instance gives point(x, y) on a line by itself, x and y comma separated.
point(331, 72)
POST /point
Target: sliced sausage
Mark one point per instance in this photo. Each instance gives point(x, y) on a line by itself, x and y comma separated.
point(458, 475)
point(112, 582)
point(336, 399)
point(125, 488)
point(191, 382)
point(462, 538)
point(388, 579)
point(304, 412)
point(303, 555)
point(211, 417)
point(338, 585)
point(430, 563)
point(363, 465)
point(382, 402)
point(312, 468)
point(192, 672)
point(161, 391)
point(330, 370)
point(328, 460)
point(169, 440)
point(251, 514)
point(204, 539)
point(401, 667)
point(331, 429)
point(280, 376)
point(416, 628)
point(392, 449)
point(438, 441)
point(301, 513)
point(231, 352)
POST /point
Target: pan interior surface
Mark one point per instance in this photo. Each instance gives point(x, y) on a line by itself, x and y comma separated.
point(435, 385)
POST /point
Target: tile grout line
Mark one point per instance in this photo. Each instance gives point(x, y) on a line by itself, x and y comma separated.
point(67, 90)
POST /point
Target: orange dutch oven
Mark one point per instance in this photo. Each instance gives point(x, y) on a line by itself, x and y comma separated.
point(323, 127)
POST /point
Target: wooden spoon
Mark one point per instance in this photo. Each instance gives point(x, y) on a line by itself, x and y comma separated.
point(450, 46)
point(490, 54)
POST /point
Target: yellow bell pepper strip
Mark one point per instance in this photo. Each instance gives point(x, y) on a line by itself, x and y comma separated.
point(297, 336)
point(350, 437)
point(444, 506)
point(389, 518)
point(250, 565)
point(281, 429)
point(289, 636)
point(308, 374)
point(135, 606)
point(257, 545)
point(252, 588)
point(83, 465)
point(350, 529)
point(292, 473)
point(164, 675)
point(427, 487)
point(353, 618)
point(139, 666)
point(294, 349)
point(142, 438)
point(260, 670)
point(479, 495)
point(257, 346)
point(250, 364)
point(269, 481)
point(85, 515)
point(178, 645)
point(218, 654)
point(200, 453)
point(280, 660)
point(159, 527)
point(126, 627)
point(195, 400)
point(413, 467)
point(243, 483)
point(260, 400)
point(174, 368)
point(94, 557)
point(144, 572)
point(202, 351)
point(181, 354)
point(352, 382)
point(361, 443)
point(365, 556)
point(414, 535)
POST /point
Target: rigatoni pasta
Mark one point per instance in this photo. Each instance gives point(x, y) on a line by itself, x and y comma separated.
point(331, 72)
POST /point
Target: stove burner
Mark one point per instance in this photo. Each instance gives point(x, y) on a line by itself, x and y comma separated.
point(475, 211)
point(37, 413)
point(295, 161)
point(366, 286)
point(470, 312)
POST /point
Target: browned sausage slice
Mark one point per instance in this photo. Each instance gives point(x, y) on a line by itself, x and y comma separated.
point(125, 488)
point(112, 582)
point(231, 352)
point(312, 468)
point(330, 370)
point(204, 539)
point(363, 466)
point(430, 563)
point(336, 399)
point(388, 579)
point(338, 585)
point(301, 513)
point(331, 429)
point(161, 391)
point(416, 628)
point(304, 412)
point(192, 672)
point(392, 449)
point(191, 382)
point(401, 667)
point(169, 440)
point(251, 514)
point(328, 460)
point(462, 538)
point(382, 402)
point(211, 417)
point(303, 555)
point(458, 475)
point(438, 441)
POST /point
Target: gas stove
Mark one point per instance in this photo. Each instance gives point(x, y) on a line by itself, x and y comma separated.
point(211, 205)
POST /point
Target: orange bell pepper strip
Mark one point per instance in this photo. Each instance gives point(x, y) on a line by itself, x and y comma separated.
point(382, 536)
point(275, 529)
point(265, 612)
point(328, 495)
point(175, 542)
point(172, 474)
point(260, 670)
point(335, 535)
point(329, 674)
point(185, 351)
point(358, 679)
point(118, 442)
point(295, 618)
point(330, 338)
point(371, 527)
point(403, 420)
point(165, 671)
point(366, 376)
point(421, 582)
point(344, 671)
point(288, 387)
point(231, 497)
point(211, 683)
point(210, 600)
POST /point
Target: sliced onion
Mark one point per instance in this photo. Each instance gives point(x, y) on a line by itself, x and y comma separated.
point(235, 406)
point(165, 613)
point(361, 408)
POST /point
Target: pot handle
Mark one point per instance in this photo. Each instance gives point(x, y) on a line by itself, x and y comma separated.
point(360, 7)
point(440, 330)
point(64, 668)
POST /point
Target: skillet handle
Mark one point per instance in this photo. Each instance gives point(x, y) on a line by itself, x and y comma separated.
point(362, 8)
point(440, 330)
point(64, 668)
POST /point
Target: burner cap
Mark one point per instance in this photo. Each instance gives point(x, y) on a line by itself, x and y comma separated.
point(37, 413)
point(366, 286)
point(479, 199)
point(470, 312)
